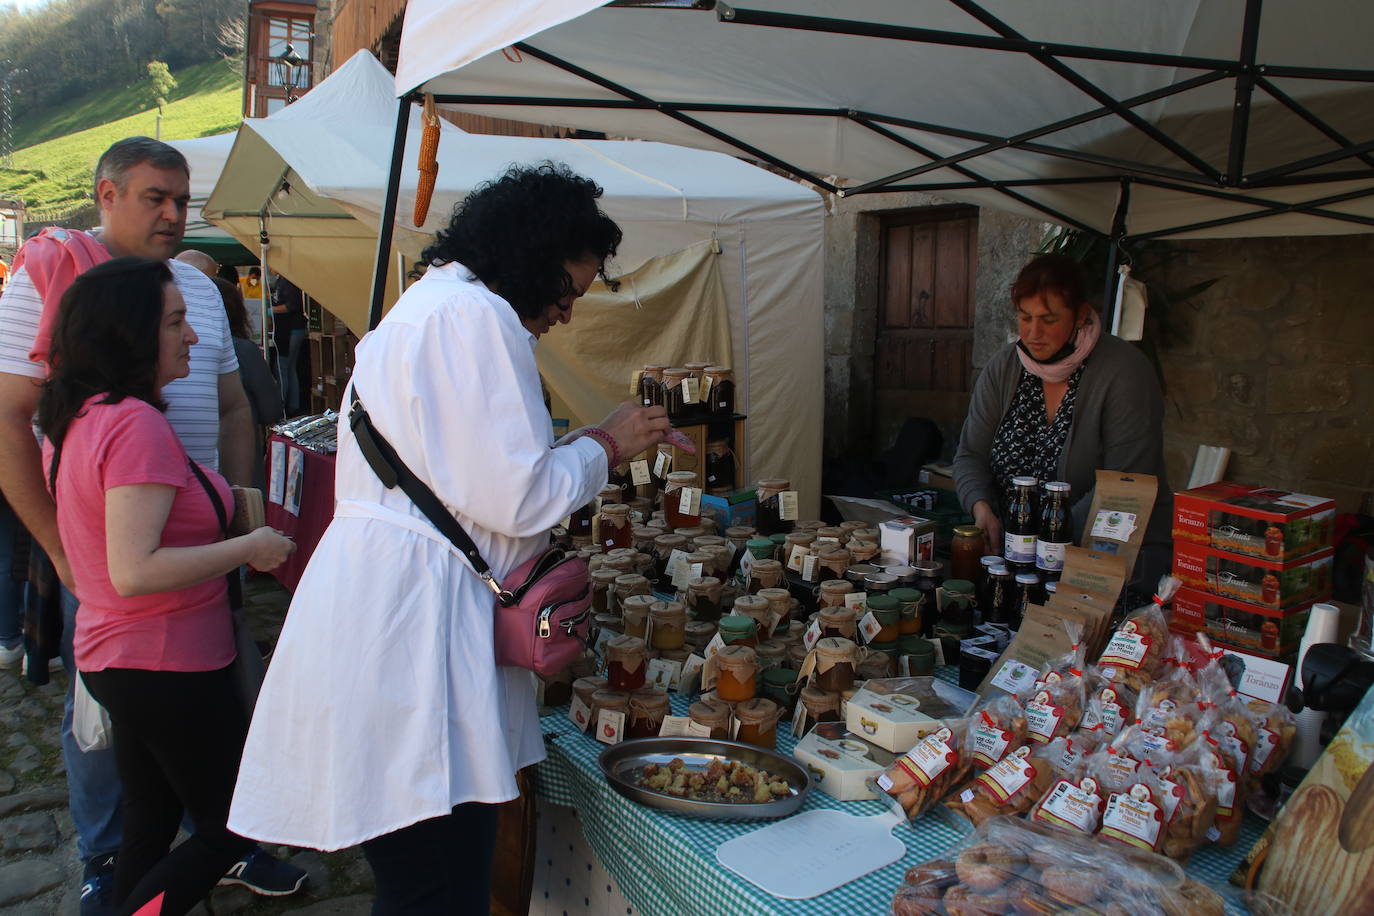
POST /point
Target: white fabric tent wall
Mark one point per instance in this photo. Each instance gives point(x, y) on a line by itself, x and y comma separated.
point(206, 157)
point(330, 149)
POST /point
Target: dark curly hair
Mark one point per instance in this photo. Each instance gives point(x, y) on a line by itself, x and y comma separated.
point(514, 234)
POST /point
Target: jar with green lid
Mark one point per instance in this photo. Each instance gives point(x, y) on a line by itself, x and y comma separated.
point(778, 539)
point(738, 630)
point(956, 603)
point(780, 686)
point(910, 602)
point(920, 654)
point(888, 612)
point(892, 650)
point(761, 548)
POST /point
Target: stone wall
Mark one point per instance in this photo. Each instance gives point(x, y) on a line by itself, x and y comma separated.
point(1275, 361)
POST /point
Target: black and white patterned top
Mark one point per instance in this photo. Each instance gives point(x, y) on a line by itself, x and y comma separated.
point(1024, 444)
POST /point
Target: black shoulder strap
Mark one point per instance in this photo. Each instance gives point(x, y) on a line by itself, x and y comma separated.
point(392, 471)
point(231, 577)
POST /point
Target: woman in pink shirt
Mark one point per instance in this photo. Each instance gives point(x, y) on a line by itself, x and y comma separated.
point(154, 638)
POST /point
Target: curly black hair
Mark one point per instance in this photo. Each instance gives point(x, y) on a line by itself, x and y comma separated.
point(514, 234)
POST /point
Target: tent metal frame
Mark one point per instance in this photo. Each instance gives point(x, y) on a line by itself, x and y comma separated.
point(1193, 176)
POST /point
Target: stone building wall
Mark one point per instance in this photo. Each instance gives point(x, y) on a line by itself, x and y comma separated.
point(1275, 361)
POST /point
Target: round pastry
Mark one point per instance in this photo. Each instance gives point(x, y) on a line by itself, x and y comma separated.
point(986, 867)
point(937, 873)
point(909, 902)
point(960, 901)
point(1070, 885)
point(1202, 900)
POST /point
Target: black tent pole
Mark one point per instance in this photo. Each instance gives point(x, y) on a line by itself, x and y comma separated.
point(1123, 203)
point(388, 224)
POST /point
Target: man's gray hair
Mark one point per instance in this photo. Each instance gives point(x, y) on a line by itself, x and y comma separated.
point(116, 161)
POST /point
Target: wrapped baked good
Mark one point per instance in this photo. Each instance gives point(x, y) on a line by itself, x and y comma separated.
point(1232, 730)
point(926, 773)
point(1275, 729)
point(998, 726)
point(1068, 753)
point(1138, 647)
point(1189, 803)
point(1171, 709)
point(1110, 704)
point(1011, 786)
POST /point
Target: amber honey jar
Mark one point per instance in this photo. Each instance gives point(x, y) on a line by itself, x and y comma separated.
point(673, 399)
point(821, 706)
point(737, 672)
point(670, 624)
point(836, 661)
point(712, 714)
point(839, 623)
point(703, 598)
point(966, 552)
point(614, 530)
point(634, 614)
point(651, 386)
point(626, 661)
point(831, 593)
point(648, 708)
point(758, 722)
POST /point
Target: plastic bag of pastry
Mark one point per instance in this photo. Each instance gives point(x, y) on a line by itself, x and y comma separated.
point(1188, 798)
point(1134, 812)
point(1068, 754)
point(1137, 649)
point(1074, 799)
point(1054, 706)
point(1275, 729)
point(1171, 709)
point(926, 773)
point(1233, 732)
point(998, 726)
point(1011, 786)
point(1110, 704)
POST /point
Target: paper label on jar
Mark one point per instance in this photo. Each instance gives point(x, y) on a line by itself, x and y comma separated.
point(639, 472)
point(746, 564)
point(685, 572)
point(663, 673)
point(579, 713)
point(989, 742)
point(698, 730)
point(1113, 525)
point(812, 634)
point(709, 674)
point(675, 560)
point(689, 390)
point(796, 560)
point(1019, 548)
point(1008, 776)
point(1133, 818)
point(808, 572)
point(689, 502)
point(857, 601)
point(1014, 676)
point(704, 394)
point(610, 726)
point(1049, 557)
point(1042, 718)
point(799, 721)
point(869, 627)
point(787, 505)
point(1127, 647)
point(674, 727)
point(1264, 746)
point(662, 465)
point(1069, 805)
point(928, 759)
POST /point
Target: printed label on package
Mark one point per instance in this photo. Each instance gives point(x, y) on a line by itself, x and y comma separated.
point(1019, 548)
point(1133, 818)
point(1113, 525)
point(1008, 776)
point(689, 390)
point(610, 726)
point(1014, 676)
point(1042, 718)
point(1069, 805)
point(1049, 557)
point(989, 742)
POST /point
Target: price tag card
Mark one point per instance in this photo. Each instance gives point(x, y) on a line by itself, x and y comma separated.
point(580, 714)
point(639, 472)
point(734, 728)
point(690, 680)
point(610, 726)
point(796, 561)
point(869, 626)
point(812, 634)
point(787, 505)
point(1013, 677)
point(709, 674)
point(705, 393)
point(697, 730)
point(858, 601)
point(746, 564)
point(674, 727)
point(904, 668)
point(663, 673)
point(714, 646)
point(689, 503)
point(809, 565)
point(603, 636)
point(662, 464)
point(689, 390)
point(685, 572)
point(774, 618)
point(675, 560)
point(649, 631)
point(939, 645)
point(799, 721)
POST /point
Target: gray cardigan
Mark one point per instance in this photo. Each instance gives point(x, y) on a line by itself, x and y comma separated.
point(1117, 425)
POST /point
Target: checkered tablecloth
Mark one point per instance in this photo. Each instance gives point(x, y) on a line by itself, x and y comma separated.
point(666, 865)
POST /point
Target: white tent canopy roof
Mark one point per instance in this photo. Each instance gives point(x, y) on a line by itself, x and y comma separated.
point(1227, 118)
point(205, 156)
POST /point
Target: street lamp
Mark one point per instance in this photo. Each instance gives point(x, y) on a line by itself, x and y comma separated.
point(287, 63)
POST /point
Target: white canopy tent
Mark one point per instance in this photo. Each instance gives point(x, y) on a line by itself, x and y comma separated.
point(205, 156)
point(1175, 118)
point(313, 178)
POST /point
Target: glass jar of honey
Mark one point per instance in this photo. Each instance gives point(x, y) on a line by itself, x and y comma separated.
point(712, 714)
point(697, 369)
point(758, 722)
point(832, 592)
point(648, 708)
point(820, 705)
point(664, 545)
point(672, 500)
point(839, 622)
point(966, 552)
point(909, 604)
point(698, 634)
point(673, 396)
point(703, 598)
point(739, 536)
point(602, 582)
point(779, 606)
point(634, 614)
point(764, 574)
point(832, 562)
point(769, 518)
point(721, 396)
point(888, 612)
point(836, 661)
point(626, 661)
point(614, 530)
point(651, 386)
point(670, 623)
point(627, 584)
point(692, 532)
point(737, 671)
point(614, 700)
point(737, 630)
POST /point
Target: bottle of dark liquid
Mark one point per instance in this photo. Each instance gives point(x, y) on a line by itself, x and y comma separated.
point(1021, 526)
point(998, 596)
point(1055, 530)
point(1028, 591)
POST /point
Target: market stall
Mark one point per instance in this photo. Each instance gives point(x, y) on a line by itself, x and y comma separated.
point(300, 500)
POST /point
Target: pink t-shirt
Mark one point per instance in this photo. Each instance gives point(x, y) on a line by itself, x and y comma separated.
point(190, 629)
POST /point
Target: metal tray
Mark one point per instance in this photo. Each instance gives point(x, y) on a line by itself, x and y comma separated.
point(620, 761)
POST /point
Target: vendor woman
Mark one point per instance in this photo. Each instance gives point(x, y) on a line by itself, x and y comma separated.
point(1058, 404)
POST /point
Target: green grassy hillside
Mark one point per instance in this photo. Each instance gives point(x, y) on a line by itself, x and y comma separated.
point(54, 169)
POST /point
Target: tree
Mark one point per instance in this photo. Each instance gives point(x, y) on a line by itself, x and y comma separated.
point(160, 83)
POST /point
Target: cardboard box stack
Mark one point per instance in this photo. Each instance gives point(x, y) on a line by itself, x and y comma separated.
point(1252, 561)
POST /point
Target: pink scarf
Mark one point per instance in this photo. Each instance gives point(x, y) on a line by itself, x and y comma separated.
point(53, 259)
point(1059, 371)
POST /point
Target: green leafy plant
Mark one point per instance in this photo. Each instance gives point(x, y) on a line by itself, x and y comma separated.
point(160, 83)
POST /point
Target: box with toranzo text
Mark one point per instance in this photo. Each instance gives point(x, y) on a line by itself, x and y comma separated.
point(1254, 521)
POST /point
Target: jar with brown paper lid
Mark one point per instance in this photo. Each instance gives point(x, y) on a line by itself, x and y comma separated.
point(758, 722)
point(861, 551)
point(610, 494)
point(756, 608)
point(831, 533)
point(657, 522)
point(672, 500)
point(614, 700)
point(702, 541)
point(852, 525)
point(820, 705)
point(674, 655)
point(772, 653)
point(697, 368)
point(722, 393)
point(628, 584)
point(641, 507)
point(796, 655)
point(622, 565)
point(796, 539)
point(811, 524)
point(642, 538)
point(779, 604)
point(673, 400)
point(650, 387)
point(670, 622)
point(644, 565)
point(712, 714)
point(831, 593)
point(697, 635)
point(626, 661)
point(634, 613)
point(839, 622)
point(720, 555)
point(614, 529)
point(737, 672)
point(648, 707)
point(765, 574)
point(832, 562)
point(584, 687)
point(794, 632)
point(866, 535)
point(664, 545)
point(874, 664)
point(836, 661)
point(603, 580)
point(703, 598)
point(769, 520)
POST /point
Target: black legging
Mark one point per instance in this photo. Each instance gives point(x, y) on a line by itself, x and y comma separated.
point(438, 867)
point(177, 740)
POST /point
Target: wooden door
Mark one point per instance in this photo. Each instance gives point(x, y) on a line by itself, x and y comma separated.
point(924, 343)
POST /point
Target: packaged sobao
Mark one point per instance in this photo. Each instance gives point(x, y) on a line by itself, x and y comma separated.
point(1189, 801)
point(1110, 704)
point(1275, 729)
point(1171, 709)
point(925, 774)
point(1054, 706)
point(1010, 786)
point(998, 726)
point(1137, 649)
point(1232, 732)
point(1074, 799)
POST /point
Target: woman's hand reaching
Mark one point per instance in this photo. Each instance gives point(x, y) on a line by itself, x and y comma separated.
point(634, 429)
point(985, 518)
point(268, 548)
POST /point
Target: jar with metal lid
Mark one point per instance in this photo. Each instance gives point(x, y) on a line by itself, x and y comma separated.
point(614, 700)
point(673, 400)
point(769, 518)
point(698, 634)
point(765, 574)
point(839, 622)
point(780, 686)
point(779, 605)
point(821, 706)
point(756, 608)
point(758, 722)
point(857, 573)
point(832, 562)
point(772, 653)
point(738, 630)
point(602, 582)
point(796, 539)
point(965, 551)
point(906, 575)
point(879, 583)
point(720, 466)
point(676, 482)
point(614, 530)
point(1051, 587)
point(670, 623)
point(888, 613)
point(626, 661)
point(634, 612)
point(998, 596)
point(875, 663)
point(664, 545)
point(647, 710)
point(832, 592)
point(737, 672)
point(920, 655)
point(712, 714)
point(703, 597)
point(910, 604)
point(1027, 593)
point(650, 389)
point(584, 687)
point(836, 661)
point(722, 390)
point(956, 603)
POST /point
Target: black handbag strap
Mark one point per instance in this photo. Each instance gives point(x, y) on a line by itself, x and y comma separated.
point(232, 576)
point(392, 472)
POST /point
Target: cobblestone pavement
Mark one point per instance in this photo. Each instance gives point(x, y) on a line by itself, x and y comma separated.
point(40, 874)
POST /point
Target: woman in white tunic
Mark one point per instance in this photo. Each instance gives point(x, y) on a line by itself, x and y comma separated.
point(384, 719)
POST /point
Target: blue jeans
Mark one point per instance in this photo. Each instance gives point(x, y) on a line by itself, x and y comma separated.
point(93, 786)
point(287, 376)
point(11, 592)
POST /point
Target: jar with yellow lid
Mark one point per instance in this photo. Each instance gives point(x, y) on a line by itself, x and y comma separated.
point(670, 623)
point(626, 661)
point(648, 708)
point(712, 714)
point(836, 661)
point(758, 722)
point(627, 584)
point(634, 613)
point(966, 552)
point(703, 597)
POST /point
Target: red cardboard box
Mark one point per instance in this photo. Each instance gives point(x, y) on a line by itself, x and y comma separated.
point(1255, 521)
point(1268, 583)
point(1251, 628)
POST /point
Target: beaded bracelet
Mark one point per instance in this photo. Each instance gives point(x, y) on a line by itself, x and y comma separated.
point(609, 440)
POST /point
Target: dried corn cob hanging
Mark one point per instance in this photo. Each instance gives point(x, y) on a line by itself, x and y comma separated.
point(428, 162)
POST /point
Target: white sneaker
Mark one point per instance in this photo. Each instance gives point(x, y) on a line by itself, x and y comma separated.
point(54, 664)
point(11, 657)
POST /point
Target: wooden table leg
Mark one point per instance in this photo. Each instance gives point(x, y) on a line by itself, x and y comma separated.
point(512, 871)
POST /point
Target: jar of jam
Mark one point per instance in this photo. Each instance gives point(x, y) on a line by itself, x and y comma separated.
point(664, 545)
point(769, 517)
point(698, 634)
point(584, 687)
point(702, 541)
point(796, 655)
point(738, 630)
point(796, 539)
point(670, 624)
point(965, 551)
point(642, 538)
point(820, 705)
point(602, 581)
point(756, 608)
point(627, 584)
point(712, 714)
point(1027, 593)
point(832, 592)
point(839, 622)
point(998, 598)
point(626, 661)
point(906, 575)
point(859, 572)
point(779, 605)
point(879, 583)
point(720, 466)
point(614, 700)
point(703, 597)
point(888, 612)
point(836, 661)
point(737, 672)
point(920, 654)
point(956, 602)
point(672, 499)
point(647, 711)
point(780, 686)
point(673, 398)
point(1273, 541)
point(651, 386)
point(614, 531)
point(929, 578)
point(634, 612)
point(874, 663)
point(761, 548)
point(721, 557)
point(580, 523)
point(758, 722)
point(765, 574)
point(867, 535)
point(722, 390)
point(862, 551)
point(909, 604)
point(772, 653)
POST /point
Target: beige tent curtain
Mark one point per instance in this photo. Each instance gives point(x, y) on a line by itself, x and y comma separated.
point(670, 311)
